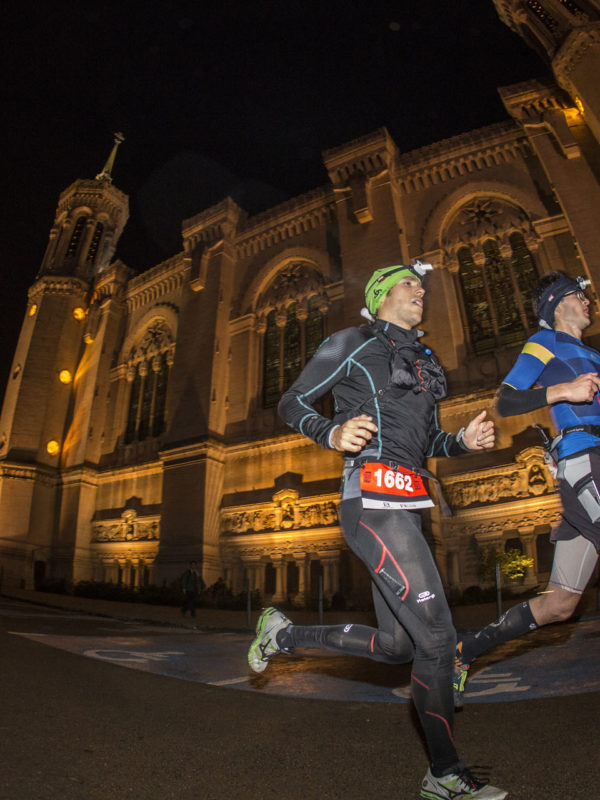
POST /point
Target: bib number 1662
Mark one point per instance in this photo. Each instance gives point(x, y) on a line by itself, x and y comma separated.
point(393, 480)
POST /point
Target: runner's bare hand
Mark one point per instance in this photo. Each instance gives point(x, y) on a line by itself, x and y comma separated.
point(580, 390)
point(479, 433)
point(353, 435)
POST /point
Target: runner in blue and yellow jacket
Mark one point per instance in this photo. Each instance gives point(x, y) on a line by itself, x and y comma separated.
point(556, 369)
point(385, 384)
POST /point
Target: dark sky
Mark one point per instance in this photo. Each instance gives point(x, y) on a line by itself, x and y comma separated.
point(223, 97)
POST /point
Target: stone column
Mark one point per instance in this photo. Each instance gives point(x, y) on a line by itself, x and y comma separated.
point(301, 562)
point(281, 578)
point(253, 569)
point(280, 321)
point(526, 534)
point(331, 572)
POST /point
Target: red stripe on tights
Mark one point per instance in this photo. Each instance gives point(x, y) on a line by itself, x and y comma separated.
point(445, 721)
point(393, 560)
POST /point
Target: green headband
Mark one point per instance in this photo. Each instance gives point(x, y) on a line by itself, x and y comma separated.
point(382, 280)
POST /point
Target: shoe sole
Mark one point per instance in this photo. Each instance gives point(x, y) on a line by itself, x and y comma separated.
point(260, 632)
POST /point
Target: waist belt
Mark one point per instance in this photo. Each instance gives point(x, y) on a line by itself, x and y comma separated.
point(551, 445)
point(593, 429)
point(353, 463)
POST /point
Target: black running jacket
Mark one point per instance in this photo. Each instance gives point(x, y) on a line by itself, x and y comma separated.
point(383, 371)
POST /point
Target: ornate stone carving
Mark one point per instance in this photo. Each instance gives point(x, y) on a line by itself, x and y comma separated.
point(129, 528)
point(285, 513)
point(528, 477)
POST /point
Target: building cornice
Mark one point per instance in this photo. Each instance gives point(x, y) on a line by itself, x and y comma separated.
point(163, 279)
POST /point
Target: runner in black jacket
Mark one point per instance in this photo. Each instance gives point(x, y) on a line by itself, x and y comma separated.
point(385, 385)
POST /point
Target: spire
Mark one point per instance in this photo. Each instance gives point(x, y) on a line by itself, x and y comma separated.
point(106, 175)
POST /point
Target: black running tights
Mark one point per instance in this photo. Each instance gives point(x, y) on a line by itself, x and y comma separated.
point(414, 621)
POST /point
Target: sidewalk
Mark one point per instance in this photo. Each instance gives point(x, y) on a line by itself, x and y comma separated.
point(469, 617)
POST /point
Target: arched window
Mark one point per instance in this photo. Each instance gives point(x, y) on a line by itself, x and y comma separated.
point(292, 347)
point(497, 294)
point(525, 273)
point(509, 325)
point(272, 361)
point(149, 365)
point(76, 237)
point(134, 402)
point(160, 397)
point(476, 302)
point(95, 243)
point(314, 328)
point(287, 349)
point(294, 327)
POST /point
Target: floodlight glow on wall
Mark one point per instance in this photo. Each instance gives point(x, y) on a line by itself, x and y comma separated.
point(64, 376)
point(53, 447)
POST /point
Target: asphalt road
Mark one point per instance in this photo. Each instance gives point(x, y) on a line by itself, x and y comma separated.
point(75, 727)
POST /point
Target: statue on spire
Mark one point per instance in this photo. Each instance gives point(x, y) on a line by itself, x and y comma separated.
point(106, 174)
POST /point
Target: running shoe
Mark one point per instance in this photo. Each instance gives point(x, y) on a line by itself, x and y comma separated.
point(461, 672)
point(265, 646)
point(459, 785)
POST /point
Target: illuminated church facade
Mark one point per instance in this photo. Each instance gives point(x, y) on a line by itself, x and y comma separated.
point(139, 427)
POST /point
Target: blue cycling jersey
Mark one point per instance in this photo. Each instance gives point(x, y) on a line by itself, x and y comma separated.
point(551, 357)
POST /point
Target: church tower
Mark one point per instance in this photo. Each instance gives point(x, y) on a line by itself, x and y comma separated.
point(566, 33)
point(90, 217)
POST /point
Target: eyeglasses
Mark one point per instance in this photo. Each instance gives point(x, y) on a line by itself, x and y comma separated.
point(578, 294)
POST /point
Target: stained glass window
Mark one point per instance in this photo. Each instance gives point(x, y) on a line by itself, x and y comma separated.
point(314, 328)
point(292, 348)
point(272, 347)
point(497, 294)
point(160, 399)
point(147, 401)
point(509, 324)
point(476, 302)
point(134, 402)
point(524, 272)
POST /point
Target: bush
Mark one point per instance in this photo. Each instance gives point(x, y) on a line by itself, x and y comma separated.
point(219, 595)
point(56, 586)
point(513, 564)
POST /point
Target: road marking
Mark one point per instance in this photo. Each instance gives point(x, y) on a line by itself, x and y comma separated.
point(229, 682)
point(131, 656)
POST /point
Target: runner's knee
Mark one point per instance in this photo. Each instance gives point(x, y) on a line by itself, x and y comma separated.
point(557, 605)
point(394, 648)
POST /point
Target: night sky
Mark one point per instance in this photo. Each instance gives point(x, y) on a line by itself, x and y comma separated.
point(221, 98)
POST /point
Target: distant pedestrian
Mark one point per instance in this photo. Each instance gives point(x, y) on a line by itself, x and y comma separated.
point(191, 584)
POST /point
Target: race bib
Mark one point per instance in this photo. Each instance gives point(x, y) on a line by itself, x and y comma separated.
point(392, 487)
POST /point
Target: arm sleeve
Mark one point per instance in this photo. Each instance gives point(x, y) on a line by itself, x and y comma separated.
point(516, 395)
point(519, 401)
point(444, 444)
point(325, 369)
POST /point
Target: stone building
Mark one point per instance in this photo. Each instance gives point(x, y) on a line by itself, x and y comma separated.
point(139, 427)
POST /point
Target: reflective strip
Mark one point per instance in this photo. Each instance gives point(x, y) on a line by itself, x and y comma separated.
point(538, 351)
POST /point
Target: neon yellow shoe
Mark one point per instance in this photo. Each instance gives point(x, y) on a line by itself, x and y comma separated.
point(265, 646)
point(459, 784)
point(461, 672)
